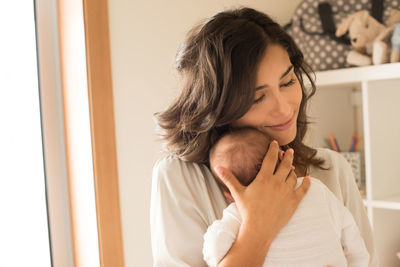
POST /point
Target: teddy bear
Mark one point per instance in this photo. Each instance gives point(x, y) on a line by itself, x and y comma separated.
point(369, 38)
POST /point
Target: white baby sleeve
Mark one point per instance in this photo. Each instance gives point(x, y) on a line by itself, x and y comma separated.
point(220, 236)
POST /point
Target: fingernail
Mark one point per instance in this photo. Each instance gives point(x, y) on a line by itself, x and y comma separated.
point(218, 170)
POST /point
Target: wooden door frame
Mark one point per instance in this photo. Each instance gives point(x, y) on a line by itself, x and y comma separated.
point(103, 132)
point(57, 24)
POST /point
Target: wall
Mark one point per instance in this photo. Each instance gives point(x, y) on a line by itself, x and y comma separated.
point(144, 37)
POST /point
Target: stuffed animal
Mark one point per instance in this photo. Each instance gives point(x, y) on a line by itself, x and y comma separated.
point(395, 56)
point(369, 38)
point(386, 47)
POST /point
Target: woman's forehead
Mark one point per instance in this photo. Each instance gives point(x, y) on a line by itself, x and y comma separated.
point(274, 64)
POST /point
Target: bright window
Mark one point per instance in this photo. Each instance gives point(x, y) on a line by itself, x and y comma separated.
point(24, 235)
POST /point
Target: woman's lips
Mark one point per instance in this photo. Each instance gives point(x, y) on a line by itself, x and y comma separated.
point(283, 126)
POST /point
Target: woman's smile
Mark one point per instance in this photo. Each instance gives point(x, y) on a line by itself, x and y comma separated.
point(283, 126)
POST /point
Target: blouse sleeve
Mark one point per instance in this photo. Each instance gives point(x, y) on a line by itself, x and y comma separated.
point(352, 242)
point(180, 212)
point(353, 201)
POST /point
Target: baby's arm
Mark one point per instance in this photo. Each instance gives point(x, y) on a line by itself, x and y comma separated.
point(220, 235)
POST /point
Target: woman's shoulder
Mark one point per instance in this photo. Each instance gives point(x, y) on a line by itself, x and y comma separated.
point(171, 165)
point(336, 172)
point(332, 158)
point(186, 184)
point(175, 173)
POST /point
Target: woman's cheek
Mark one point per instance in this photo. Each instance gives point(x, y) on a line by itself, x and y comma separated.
point(298, 95)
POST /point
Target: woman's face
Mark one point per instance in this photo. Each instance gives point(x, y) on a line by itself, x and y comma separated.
point(277, 99)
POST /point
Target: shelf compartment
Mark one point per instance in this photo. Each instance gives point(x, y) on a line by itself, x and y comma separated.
point(335, 111)
point(384, 132)
point(387, 236)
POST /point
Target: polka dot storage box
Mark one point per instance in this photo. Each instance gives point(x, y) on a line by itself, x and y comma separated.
point(314, 23)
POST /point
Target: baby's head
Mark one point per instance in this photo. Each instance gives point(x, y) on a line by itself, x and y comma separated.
point(242, 152)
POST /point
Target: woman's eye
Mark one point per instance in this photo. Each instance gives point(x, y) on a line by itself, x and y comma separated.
point(258, 100)
point(292, 81)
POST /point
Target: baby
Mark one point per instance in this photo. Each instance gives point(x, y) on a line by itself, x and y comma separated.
point(321, 232)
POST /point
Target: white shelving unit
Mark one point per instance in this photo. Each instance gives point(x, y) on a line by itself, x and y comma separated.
point(366, 100)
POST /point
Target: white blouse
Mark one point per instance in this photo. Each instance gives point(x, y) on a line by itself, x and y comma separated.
point(186, 199)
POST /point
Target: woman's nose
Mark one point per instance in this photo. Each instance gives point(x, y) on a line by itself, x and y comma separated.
point(280, 105)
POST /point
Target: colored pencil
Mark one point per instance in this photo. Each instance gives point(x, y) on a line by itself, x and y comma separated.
point(336, 143)
point(332, 142)
point(327, 143)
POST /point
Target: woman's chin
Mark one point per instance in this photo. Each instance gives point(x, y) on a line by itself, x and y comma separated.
point(286, 139)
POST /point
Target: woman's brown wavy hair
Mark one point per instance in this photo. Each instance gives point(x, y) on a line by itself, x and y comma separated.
point(218, 63)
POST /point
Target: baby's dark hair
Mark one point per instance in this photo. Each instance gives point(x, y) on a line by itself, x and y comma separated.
point(242, 152)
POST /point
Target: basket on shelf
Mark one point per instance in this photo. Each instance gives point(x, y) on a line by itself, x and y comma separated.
point(354, 158)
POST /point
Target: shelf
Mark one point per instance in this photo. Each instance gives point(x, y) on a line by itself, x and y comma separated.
point(357, 74)
point(392, 203)
point(385, 204)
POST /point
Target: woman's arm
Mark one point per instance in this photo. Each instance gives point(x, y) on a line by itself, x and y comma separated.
point(340, 181)
point(185, 200)
point(353, 201)
point(178, 215)
point(265, 206)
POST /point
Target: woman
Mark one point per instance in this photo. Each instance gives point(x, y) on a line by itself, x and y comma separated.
point(239, 69)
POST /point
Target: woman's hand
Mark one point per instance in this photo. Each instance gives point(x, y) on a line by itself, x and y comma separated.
point(270, 200)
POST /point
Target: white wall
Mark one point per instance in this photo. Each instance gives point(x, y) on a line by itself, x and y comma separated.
point(144, 37)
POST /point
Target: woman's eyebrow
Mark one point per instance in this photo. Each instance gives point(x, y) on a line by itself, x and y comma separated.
point(287, 71)
point(283, 75)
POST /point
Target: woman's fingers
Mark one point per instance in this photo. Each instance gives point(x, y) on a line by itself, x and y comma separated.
point(280, 154)
point(285, 165)
point(228, 196)
point(270, 159)
point(303, 188)
point(229, 180)
point(291, 180)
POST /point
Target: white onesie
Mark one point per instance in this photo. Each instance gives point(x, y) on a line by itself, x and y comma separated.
point(321, 232)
